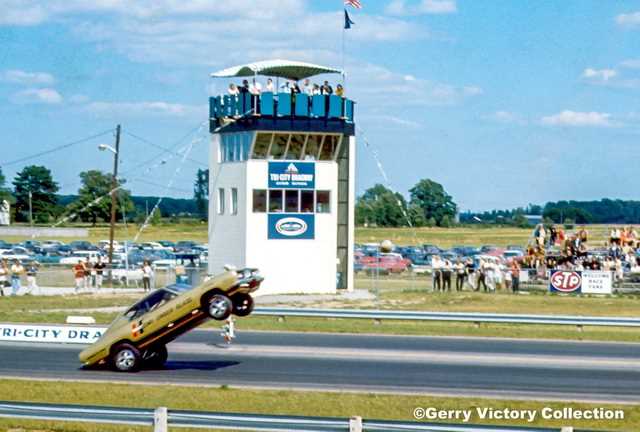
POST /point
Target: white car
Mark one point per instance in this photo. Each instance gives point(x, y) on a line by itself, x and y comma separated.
point(104, 245)
point(155, 246)
point(92, 256)
point(125, 276)
point(11, 255)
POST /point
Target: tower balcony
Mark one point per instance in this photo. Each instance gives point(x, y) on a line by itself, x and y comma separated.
point(281, 112)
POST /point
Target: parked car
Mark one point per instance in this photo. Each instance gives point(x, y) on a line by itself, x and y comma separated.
point(168, 244)
point(139, 336)
point(72, 259)
point(82, 245)
point(386, 262)
point(185, 246)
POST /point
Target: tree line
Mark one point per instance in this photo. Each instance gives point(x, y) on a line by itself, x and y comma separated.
point(34, 188)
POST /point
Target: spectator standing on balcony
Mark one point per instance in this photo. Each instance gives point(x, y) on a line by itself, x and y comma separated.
point(295, 88)
point(16, 273)
point(147, 273)
point(78, 274)
point(327, 89)
point(436, 268)
point(316, 90)
point(515, 276)
point(340, 90)
point(245, 86)
point(255, 88)
point(32, 273)
point(285, 87)
point(233, 90)
point(99, 267)
point(270, 87)
point(307, 88)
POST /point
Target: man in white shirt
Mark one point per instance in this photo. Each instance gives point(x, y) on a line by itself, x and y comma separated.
point(270, 87)
point(307, 88)
point(255, 88)
point(285, 88)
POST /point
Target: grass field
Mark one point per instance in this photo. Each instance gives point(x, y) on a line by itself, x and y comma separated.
point(324, 404)
point(35, 309)
point(443, 237)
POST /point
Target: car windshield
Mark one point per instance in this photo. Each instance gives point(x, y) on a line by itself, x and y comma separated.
point(151, 302)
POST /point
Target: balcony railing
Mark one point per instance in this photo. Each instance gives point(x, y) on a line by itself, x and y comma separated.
point(282, 105)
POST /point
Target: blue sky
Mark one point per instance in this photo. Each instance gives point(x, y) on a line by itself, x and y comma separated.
point(504, 102)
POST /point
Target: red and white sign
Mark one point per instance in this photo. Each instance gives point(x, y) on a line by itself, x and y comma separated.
point(565, 281)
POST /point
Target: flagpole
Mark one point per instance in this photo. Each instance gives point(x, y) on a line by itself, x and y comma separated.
point(343, 72)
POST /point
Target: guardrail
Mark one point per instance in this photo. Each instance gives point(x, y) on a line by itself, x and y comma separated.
point(451, 316)
point(161, 419)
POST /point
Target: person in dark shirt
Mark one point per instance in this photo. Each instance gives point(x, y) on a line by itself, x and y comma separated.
point(326, 88)
point(98, 268)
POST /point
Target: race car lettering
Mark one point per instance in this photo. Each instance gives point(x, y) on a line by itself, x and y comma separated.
point(137, 329)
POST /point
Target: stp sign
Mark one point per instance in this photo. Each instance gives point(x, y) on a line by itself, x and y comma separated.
point(565, 281)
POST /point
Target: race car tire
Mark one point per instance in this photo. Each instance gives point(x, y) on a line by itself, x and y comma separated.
point(125, 358)
point(242, 304)
point(156, 357)
point(219, 307)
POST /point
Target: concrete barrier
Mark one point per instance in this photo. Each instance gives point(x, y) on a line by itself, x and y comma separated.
point(20, 231)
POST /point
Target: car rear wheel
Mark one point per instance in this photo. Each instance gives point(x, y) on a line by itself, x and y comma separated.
point(126, 358)
point(219, 307)
point(156, 357)
point(242, 304)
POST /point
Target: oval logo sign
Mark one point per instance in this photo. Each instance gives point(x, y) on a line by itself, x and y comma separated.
point(291, 226)
point(566, 281)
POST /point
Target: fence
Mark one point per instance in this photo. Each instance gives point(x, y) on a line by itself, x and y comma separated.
point(161, 419)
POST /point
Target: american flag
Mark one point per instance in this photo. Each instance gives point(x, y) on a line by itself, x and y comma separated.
point(355, 3)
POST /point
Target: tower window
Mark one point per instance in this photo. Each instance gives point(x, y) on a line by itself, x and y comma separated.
point(295, 147)
point(291, 200)
point(221, 201)
point(259, 200)
point(323, 201)
point(234, 201)
point(275, 201)
point(263, 141)
point(279, 146)
point(306, 201)
point(313, 147)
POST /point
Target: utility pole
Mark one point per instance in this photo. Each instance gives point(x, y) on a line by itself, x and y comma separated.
point(114, 185)
point(30, 209)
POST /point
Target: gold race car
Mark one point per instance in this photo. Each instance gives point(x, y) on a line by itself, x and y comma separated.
point(139, 336)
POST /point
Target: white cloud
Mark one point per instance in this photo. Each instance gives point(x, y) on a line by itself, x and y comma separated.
point(380, 120)
point(506, 117)
point(151, 108)
point(23, 77)
point(37, 96)
point(603, 75)
point(631, 64)
point(629, 19)
point(402, 7)
point(579, 119)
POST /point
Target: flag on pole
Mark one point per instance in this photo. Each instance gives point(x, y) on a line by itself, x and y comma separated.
point(347, 21)
point(355, 3)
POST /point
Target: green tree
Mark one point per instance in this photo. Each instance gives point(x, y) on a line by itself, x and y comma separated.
point(5, 194)
point(434, 201)
point(201, 192)
point(381, 207)
point(96, 184)
point(38, 181)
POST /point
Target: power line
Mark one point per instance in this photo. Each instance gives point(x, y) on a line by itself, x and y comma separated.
point(53, 150)
point(167, 150)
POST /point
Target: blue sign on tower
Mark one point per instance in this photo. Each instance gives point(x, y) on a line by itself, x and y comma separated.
point(292, 175)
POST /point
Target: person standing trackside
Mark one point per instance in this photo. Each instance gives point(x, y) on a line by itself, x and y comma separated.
point(482, 275)
point(436, 267)
point(147, 273)
point(99, 267)
point(446, 276)
point(16, 274)
point(4, 274)
point(515, 276)
point(32, 273)
point(78, 274)
point(87, 273)
point(460, 270)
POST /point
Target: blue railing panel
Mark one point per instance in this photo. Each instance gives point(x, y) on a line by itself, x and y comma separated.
point(302, 105)
point(248, 103)
point(212, 108)
point(335, 106)
point(318, 106)
point(266, 104)
point(226, 109)
point(284, 104)
point(348, 112)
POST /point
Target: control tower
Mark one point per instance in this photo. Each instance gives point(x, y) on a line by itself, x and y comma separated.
point(281, 181)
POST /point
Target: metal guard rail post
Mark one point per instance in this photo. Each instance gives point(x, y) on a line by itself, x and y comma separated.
point(211, 420)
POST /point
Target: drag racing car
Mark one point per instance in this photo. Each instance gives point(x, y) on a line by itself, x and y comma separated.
point(138, 337)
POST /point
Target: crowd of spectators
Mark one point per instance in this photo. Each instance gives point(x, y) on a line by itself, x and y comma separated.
point(289, 86)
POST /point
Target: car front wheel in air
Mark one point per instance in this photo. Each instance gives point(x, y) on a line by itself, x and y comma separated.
point(242, 304)
point(220, 307)
point(126, 358)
